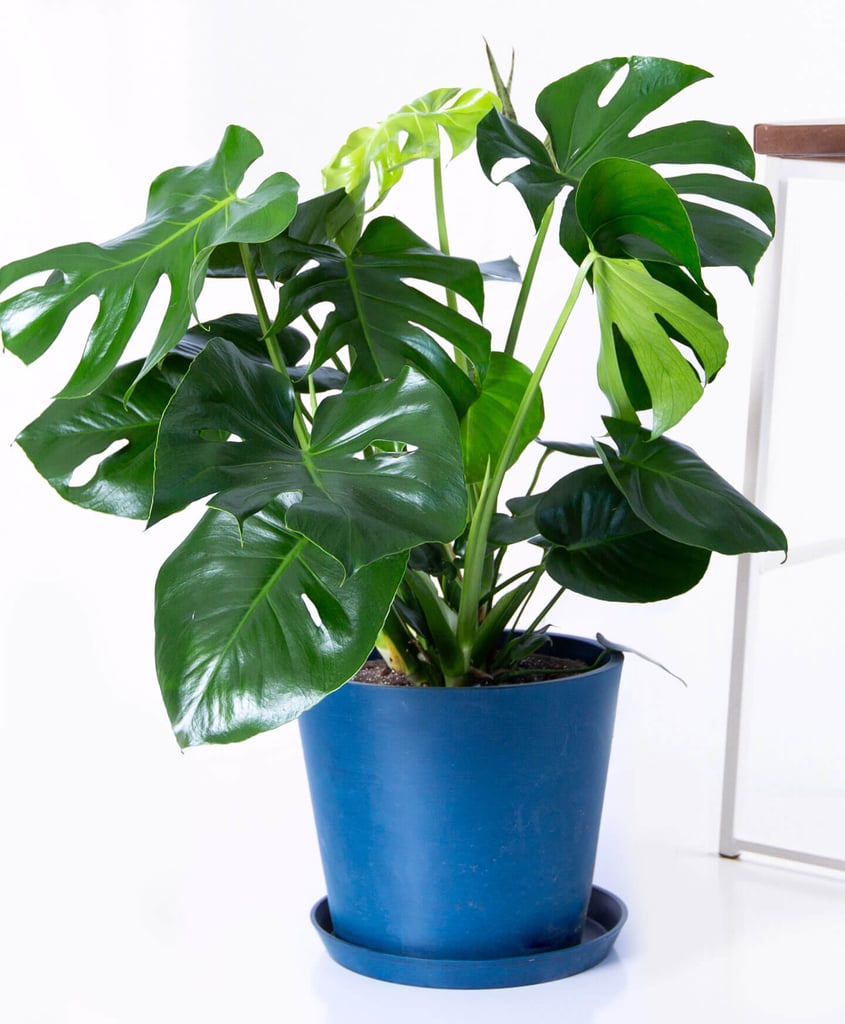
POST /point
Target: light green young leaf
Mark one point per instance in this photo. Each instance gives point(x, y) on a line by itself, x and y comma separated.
point(412, 133)
point(633, 308)
point(190, 211)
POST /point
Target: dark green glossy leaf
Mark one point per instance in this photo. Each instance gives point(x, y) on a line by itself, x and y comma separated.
point(673, 490)
point(576, 448)
point(347, 492)
point(316, 222)
point(433, 559)
point(628, 209)
point(253, 630)
point(383, 319)
point(244, 331)
point(486, 425)
point(362, 508)
point(190, 211)
point(636, 307)
point(601, 549)
point(71, 431)
point(519, 525)
point(582, 130)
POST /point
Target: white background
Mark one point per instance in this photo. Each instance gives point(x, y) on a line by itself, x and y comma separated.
point(142, 884)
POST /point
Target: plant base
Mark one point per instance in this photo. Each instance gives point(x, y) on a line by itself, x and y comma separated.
point(605, 916)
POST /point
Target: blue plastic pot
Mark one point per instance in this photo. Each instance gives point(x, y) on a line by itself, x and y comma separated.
point(462, 824)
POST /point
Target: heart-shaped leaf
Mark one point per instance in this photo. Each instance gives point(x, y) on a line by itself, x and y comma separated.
point(71, 431)
point(254, 628)
point(601, 549)
point(382, 472)
point(673, 490)
point(190, 211)
point(628, 209)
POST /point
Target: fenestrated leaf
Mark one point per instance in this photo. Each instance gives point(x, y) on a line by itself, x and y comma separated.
point(412, 133)
point(190, 210)
point(360, 509)
point(582, 130)
point(383, 319)
point(601, 549)
point(635, 306)
point(71, 431)
point(348, 492)
point(253, 630)
point(673, 490)
point(489, 419)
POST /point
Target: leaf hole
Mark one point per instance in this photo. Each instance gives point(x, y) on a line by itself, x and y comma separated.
point(311, 608)
point(614, 85)
point(506, 166)
point(87, 470)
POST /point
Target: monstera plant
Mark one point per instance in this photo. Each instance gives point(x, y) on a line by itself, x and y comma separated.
point(354, 430)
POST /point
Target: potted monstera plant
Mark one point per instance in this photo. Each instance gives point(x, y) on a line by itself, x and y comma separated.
point(354, 431)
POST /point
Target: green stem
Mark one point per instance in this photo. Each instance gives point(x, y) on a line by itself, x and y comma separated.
point(443, 242)
point(528, 280)
point(480, 527)
point(274, 350)
point(545, 610)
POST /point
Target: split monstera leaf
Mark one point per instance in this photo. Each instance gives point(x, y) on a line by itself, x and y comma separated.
point(352, 431)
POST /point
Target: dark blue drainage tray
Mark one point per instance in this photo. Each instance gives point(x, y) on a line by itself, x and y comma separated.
point(605, 916)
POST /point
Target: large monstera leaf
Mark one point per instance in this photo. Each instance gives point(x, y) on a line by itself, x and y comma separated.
point(191, 210)
point(584, 129)
point(386, 321)
point(254, 628)
point(380, 473)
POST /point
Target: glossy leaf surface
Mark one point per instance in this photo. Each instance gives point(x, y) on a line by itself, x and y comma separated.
point(584, 127)
point(71, 431)
point(386, 321)
point(347, 491)
point(252, 631)
point(190, 210)
point(490, 417)
point(673, 490)
point(627, 209)
point(602, 549)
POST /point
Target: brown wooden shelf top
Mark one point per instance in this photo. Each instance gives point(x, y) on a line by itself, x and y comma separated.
point(821, 140)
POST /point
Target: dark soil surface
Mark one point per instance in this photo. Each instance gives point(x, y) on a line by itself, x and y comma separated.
point(535, 668)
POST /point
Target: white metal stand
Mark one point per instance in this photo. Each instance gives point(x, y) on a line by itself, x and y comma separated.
point(790, 156)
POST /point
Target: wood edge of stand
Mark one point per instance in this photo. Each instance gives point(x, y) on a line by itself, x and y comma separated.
point(819, 141)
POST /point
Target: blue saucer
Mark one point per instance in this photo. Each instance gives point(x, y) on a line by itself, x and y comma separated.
point(605, 916)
